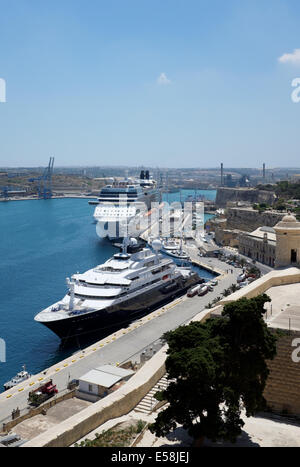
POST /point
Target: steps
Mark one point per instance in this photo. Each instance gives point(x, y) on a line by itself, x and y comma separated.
point(149, 402)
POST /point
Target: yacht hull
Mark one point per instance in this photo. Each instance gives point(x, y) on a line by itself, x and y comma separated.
point(121, 314)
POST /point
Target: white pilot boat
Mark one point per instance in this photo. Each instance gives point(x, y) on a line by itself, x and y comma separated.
point(19, 378)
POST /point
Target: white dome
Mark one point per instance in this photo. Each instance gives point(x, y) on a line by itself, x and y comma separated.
point(289, 218)
point(288, 222)
point(133, 241)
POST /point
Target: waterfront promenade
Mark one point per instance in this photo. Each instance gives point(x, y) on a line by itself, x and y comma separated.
point(127, 344)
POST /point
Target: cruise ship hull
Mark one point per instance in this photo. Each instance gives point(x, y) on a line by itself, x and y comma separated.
point(121, 314)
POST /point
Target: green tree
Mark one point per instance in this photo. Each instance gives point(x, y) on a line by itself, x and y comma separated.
point(217, 369)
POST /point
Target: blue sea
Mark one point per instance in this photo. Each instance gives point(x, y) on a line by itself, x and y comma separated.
point(41, 243)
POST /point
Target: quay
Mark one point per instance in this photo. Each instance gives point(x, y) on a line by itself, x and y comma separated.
point(125, 345)
point(65, 196)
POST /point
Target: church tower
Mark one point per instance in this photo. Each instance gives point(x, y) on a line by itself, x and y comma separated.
point(287, 242)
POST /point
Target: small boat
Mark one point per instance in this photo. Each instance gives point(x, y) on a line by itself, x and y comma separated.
point(174, 250)
point(177, 254)
point(19, 378)
point(169, 246)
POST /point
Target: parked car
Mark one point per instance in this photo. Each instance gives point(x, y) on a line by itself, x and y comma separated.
point(241, 278)
point(203, 291)
point(193, 291)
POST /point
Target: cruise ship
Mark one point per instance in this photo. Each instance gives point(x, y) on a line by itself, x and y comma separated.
point(122, 289)
point(121, 205)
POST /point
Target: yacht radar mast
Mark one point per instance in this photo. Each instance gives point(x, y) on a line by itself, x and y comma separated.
point(71, 286)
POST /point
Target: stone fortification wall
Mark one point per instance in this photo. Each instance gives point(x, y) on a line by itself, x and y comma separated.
point(282, 391)
point(248, 219)
point(250, 195)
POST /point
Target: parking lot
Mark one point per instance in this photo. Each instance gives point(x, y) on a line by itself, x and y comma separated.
point(29, 429)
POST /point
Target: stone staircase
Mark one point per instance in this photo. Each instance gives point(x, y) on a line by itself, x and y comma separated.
point(149, 402)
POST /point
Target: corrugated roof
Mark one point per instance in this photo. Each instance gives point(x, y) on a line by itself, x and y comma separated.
point(100, 378)
point(114, 370)
point(106, 375)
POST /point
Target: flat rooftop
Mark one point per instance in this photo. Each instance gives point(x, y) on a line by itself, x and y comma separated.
point(284, 310)
point(106, 375)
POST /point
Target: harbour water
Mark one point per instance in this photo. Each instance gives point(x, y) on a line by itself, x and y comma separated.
point(41, 243)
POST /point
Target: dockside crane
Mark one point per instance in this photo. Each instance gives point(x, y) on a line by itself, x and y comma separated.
point(45, 181)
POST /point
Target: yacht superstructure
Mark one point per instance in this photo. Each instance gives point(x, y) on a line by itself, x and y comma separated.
point(116, 292)
point(121, 203)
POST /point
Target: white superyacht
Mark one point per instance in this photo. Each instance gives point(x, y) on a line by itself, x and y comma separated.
point(118, 291)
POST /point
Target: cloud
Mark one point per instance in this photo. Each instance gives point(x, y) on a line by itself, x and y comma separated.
point(293, 58)
point(163, 80)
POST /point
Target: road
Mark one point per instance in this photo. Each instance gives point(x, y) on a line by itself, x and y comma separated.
point(264, 269)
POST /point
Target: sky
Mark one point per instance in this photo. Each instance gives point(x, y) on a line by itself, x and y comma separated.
point(161, 83)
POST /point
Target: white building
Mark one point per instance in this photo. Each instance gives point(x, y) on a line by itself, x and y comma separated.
point(101, 381)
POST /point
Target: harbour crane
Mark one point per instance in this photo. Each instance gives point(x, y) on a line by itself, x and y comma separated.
point(45, 181)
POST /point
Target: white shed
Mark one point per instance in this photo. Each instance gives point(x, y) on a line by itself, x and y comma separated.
point(101, 381)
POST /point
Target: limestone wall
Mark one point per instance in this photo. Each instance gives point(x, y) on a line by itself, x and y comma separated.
point(227, 237)
point(249, 220)
point(282, 391)
point(251, 195)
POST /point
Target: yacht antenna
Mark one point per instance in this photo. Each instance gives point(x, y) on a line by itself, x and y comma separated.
point(72, 293)
point(126, 242)
point(156, 245)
